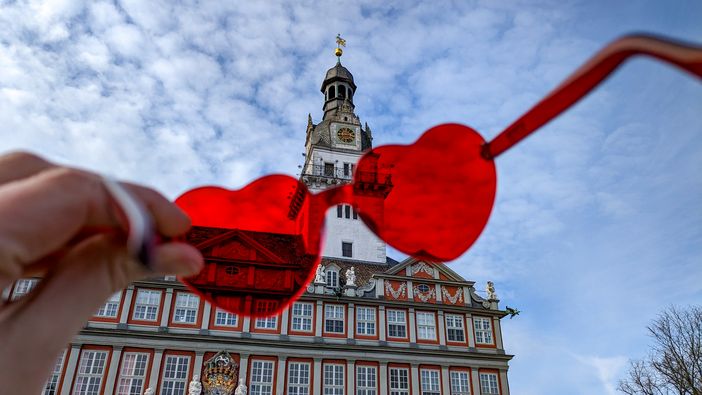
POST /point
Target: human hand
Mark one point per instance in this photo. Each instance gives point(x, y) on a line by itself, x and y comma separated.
point(45, 211)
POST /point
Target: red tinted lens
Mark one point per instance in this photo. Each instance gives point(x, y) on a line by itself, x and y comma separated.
point(260, 243)
point(430, 199)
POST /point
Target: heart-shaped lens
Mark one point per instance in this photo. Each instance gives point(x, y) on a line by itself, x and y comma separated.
point(438, 192)
point(260, 244)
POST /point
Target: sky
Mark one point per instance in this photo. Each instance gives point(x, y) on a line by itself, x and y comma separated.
point(597, 225)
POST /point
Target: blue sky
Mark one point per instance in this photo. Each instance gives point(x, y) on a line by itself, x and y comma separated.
point(597, 225)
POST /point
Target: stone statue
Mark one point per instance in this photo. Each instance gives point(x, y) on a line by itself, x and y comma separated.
point(351, 277)
point(321, 275)
point(195, 387)
point(241, 389)
point(490, 289)
point(149, 391)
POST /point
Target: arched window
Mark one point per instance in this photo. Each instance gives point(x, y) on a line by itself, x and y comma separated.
point(342, 91)
point(350, 94)
point(332, 92)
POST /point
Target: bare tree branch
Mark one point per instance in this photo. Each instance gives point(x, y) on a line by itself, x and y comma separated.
point(675, 363)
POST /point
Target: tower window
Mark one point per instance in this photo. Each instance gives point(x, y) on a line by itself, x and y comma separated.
point(329, 169)
point(347, 208)
point(347, 169)
point(332, 92)
point(339, 211)
point(346, 249)
point(342, 91)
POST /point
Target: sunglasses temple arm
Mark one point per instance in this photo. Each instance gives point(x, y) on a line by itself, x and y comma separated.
point(684, 55)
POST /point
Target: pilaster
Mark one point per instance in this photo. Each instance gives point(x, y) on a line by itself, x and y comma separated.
point(350, 376)
point(475, 377)
point(206, 312)
point(317, 377)
point(470, 330)
point(504, 382)
point(113, 370)
point(155, 368)
point(280, 377)
point(244, 367)
point(411, 322)
point(498, 333)
point(381, 323)
point(351, 314)
point(383, 381)
point(70, 369)
point(445, 380)
point(319, 318)
point(197, 365)
point(126, 304)
point(166, 313)
point(284, 318)
point(414, 379)
point(440, 318)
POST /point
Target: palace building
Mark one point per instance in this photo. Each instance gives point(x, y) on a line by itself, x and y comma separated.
point(367, 324)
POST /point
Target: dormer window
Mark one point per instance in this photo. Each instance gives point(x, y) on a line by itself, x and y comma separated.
point(332, 277)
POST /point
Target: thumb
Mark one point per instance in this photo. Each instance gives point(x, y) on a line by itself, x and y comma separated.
point(44, 321)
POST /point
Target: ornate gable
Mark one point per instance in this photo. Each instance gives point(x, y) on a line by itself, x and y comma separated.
point(420, 269)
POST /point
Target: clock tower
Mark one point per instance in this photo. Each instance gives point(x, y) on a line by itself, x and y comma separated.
point(332, 149)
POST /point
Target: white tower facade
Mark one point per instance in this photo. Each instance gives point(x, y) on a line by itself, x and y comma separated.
point(332, 149)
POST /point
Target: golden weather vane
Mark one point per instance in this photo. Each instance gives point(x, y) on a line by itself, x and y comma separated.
point(340, 42)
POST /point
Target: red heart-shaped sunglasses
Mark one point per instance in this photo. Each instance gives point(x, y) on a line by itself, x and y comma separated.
point(430, 199)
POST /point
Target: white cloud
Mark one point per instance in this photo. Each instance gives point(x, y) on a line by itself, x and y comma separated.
point(600, 205)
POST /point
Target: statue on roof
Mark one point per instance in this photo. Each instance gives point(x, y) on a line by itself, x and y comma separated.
point(320, 276)
point(490, 290)
point(351, 277)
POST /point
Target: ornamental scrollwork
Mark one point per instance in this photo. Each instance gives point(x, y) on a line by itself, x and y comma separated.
point(401, 291)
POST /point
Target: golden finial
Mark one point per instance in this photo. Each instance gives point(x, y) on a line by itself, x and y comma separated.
point(340, 42)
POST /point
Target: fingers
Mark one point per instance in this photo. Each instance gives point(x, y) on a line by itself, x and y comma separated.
point(44, 212)
point(72, 291)
point(18, 165)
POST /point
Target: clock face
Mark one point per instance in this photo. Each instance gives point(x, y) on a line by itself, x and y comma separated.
point(346, 135)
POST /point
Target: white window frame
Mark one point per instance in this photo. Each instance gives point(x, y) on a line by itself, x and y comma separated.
point(460, 382)
point(333, 379)
point(225, 318)
point(149, 305)
point(489, 384)
point(392, 318)
point(132, 373)
point(91, 372)
point(23, 286)
point(261, 377)
point(111, 307)
point(366, 318)
point(186, 308)
point(399, 383)
point(173, 380)
point(299, 378)
point(483, 330)
point(332, 277)
point(426, 325)
point(366, 380)
point(334, 314)
point(268, 323)
point(301, 314)
point(451, 321)
point(51, 386)
point(430, 381)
